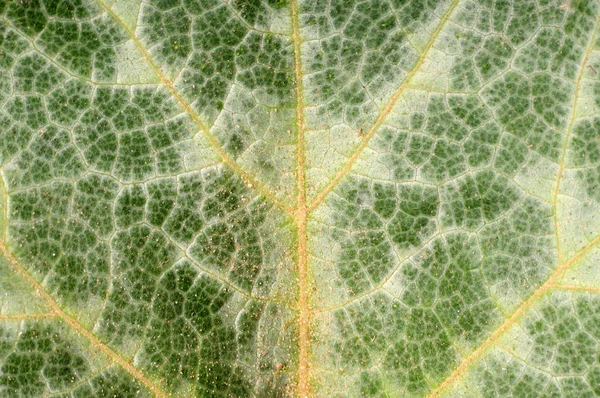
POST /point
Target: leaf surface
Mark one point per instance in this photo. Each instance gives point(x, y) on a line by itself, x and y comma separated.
point(299, 198)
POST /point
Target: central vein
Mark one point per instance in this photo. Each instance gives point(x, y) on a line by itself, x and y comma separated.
point(300, 216)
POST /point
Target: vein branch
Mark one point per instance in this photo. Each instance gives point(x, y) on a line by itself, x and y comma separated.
point(64, 70)
point(561, 163)
point(303, 209)
point(575, 288)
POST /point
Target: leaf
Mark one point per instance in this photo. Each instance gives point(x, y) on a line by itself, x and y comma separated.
point(272, 198)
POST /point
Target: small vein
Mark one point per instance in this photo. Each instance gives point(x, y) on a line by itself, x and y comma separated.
point(251, 27)
point(94, 341)
point(401, 260)
point(81, 381)
point(385, 112)
point(226, 158)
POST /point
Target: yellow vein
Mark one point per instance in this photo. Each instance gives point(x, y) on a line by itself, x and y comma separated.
point(301, 214)
point(251, 181)
point(588, 289)
point(384, 113)
point(94, 341)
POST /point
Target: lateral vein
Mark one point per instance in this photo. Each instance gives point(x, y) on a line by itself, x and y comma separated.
point(514, 318)
point(384, 113)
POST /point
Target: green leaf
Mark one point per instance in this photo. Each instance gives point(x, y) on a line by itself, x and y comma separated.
point(299, 198)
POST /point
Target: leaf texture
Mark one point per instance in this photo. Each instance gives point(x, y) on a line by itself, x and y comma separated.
point(300, 198)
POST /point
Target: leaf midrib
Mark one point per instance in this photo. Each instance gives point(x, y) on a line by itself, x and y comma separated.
point(302, 210)
point(301, 215)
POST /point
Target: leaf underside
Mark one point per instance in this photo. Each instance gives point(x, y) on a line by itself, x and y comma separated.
point(299, 198)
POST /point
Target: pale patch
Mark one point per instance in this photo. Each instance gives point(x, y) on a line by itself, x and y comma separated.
point(132, 67)
point(578, 215)
point(126, 10)
point(538, 178)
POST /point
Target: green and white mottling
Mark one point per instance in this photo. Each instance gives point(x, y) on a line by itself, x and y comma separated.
point(178, 176)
